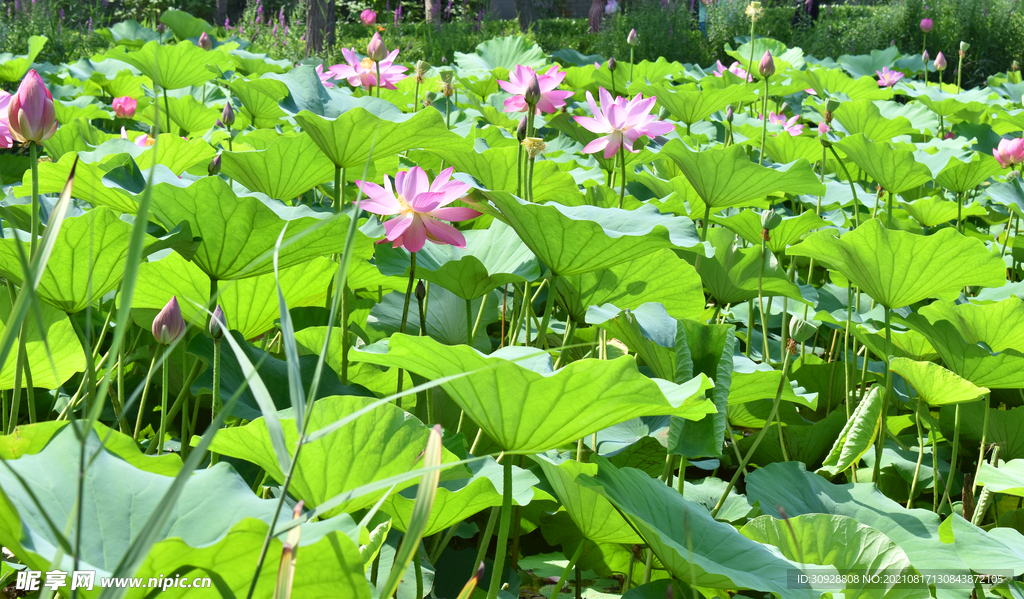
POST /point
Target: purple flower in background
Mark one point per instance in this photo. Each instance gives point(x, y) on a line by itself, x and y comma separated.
point(280, 17)
point(17, 5)
point(227, 23)
point(448, 11)
point(259, 13)
point(62, 14)
point(273, 31)
point(387, 6)
point(398, 15)
point(90, 24)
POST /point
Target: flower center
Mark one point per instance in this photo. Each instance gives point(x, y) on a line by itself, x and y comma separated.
point(367, 63)
point(402, 203)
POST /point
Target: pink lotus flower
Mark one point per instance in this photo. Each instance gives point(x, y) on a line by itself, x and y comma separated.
point(888, 78)
point(926, 25)
point(419, 208)
point(169, 326)
point(6, 140)
point(622, 120)
point(325, 77)
point(368, 17)
point(823, 128)
point(734, 68)
point(363, 73)
point(791, 126)
point(1010, 152)
point(551, 99)
point(143, 141)
point(31, 116)
point(124, 107)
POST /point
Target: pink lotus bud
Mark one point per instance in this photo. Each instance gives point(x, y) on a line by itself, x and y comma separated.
point(632, 39)
point(228, 115)
point(169, 326)
point(218, 324)
point(31, 116)
point(1009, 152)
point(767, 66)
point(729, 113)
point(124, 107)
point(532, 93)
point(940, 62)
point(376, 49)
point(926, 25)
point(925, 58)
point(205, 42)
point(368, 17)
point(213, 168)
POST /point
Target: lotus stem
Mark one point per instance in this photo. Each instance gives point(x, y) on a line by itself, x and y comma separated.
point(984, 439)
point(764, 114)
point(503, 528)
point(648, 566)
point(519, 171)
point(405, 308)
point(622, 161)
point(880, 445)
point(377, 64)
point(215, 402)
point(418, 569)
point(566, 340)
point(750, 327)
point(952, 459)
point(766, 357)
point(920, 454)
point(529, 174)
point(572, 562)
point(485, 536)
point(986, 494)
point(542, 333)
point(759, 437)
point(888, 211)
point(959, 71)
point(33, 157)
point(142, 401)
point(165, 382)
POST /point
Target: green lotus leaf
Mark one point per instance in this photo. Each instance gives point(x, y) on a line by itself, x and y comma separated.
point(866, 65)
point(747, 224)
point(458, 500)
point(382, 443)
point(186, 113)
point(934, 384)
point(512, 401)
point(77, 136)
point(1004, 427)
point(594, 515)
point(755, 381)
point(1007, 478)
point(249, 63)
point(935, 210)
point(790, 56)
point(482, 86)
point(260, 98)
point(496, 169)
point(53, 355)
point(446, 316)
point(564, 123)
point(88, 184)
point(645, 70)
point(691, 544)
point(858, 435)
point(863, 116)
point(840, 541)
point(731, 275)
point(274, 372)
point(831, 82)
point(82, 107)
point(784, 149)
point(898, 268)
point(13, 67)
point(33, 438)
point(960, 176)
point(130, 34)
point(503, 52)
point(725, 177)
point(185, 25)
point(708, 350)
point(996, 551)
point(809, 444)
point(661, 277)
point(945, 104)
point(88, 260)
point(895, 170)
point(690, 104)
point(366, 128)
point(579, 239)
point(215, 522)
point(173, 66)
point(493, 257)
point(970, 360)
point(240, 232)
point(250, 305)
point(310, 341)
point(289, 167)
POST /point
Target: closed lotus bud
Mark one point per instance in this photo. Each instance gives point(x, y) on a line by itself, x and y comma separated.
point(925, 57)
point(205, 42)
point(31, 116)
point(214, 166)
point(169, 326)
point(421, 291)
point(161, 28)
point(612, 64)
point(227, 116)
point(767, 65)
point(124, 107)
point(926, 25)
point(532, 93)
point(219, 124)
point(729, 114)
point(800, 330)
point(521, 129)
point(218, 324)
point(632, 38)
point(376, 49)
point(940, 62)
point(770, 219)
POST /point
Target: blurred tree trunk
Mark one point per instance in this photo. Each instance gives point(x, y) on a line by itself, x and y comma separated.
point(433, 10)
point(319, 25)
point(596, 13)
point(220, 13)
point(524, 8)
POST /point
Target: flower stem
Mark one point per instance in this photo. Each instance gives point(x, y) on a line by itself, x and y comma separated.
point(378, 78)
point(165, 372)
point(630, 67)
point(503, 528)
point(766, 357)
point(542, 334)
point(572, 562)
point(167, 110)
point(405, 308)
point(142, 401)
point(416, 100)
point(885, 400)
point(764, 122)
point(622, 162)
point(33, 153)
point(215, 402)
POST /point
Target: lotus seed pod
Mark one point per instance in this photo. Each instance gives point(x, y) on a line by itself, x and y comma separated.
point(770, 219)
point(534, 146)
point(800, 330)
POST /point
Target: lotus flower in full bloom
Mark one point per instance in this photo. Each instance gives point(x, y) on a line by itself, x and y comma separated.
point(1009, 152)
point(31, 116)
point(143, 141)
point(6, 140)
point(368, 17)
point(325, 76)
point(887, 77)
point(734, 68)
point(551, 99)
point(791, 126)
point(169, 326)
point(363, 73)
point(418, 206)
point(622, 121)
point(124, 107)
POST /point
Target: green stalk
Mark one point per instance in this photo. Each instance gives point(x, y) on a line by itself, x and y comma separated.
point(959, 71)
point(630, 68)
point(416, 96)
point(485, 537)
point(378, 90)
point(766, 357)
point(519, 171)
point(888, 211)
point(760, 435)
point(167, 110)
point(984, 439)
point(885, 401)
point(503, 528)
point(215, 402)
point(142, 401)
point(920, 453)
point(339, 198)
point(764, 113)
point(469, 323)
point(405, 308)
point(568, 567)
point(953, 458)
point(542, 336)
point(165, 373)
point(33, 156)
point(622, 161)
